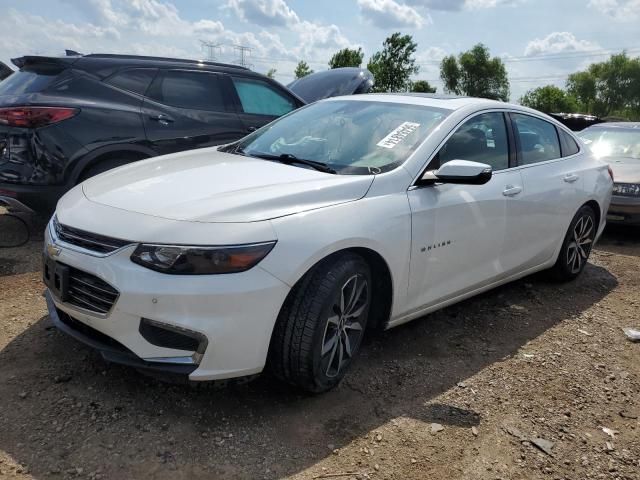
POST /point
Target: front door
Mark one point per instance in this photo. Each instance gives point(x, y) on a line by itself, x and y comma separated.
point(458, 231)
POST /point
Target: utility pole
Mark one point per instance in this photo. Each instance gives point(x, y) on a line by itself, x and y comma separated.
point(212, 49)
point(242, 53)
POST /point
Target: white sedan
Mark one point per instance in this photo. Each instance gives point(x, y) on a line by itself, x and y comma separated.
point(350, 214)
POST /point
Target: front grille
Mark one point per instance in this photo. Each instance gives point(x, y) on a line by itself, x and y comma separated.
point(89, 241)
point(89, 292)
point(90, 332)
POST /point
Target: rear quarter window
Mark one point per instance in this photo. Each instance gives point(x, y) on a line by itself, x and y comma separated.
point(568, 144)
point(29, 80)
point(135, 80)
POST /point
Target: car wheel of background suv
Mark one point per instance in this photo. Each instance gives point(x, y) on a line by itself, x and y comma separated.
point(576, 246)
point(320, 328)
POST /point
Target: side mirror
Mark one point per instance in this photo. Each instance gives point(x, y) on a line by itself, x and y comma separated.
point(460, 172)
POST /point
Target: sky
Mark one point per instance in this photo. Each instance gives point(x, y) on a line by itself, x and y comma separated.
point(540, 41)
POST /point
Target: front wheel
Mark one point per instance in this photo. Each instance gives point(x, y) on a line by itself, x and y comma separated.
point(320, 328)
point(576, 246)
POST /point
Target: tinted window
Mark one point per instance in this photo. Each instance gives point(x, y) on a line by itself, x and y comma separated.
point(538, 139)
point(135, 80)
point(29, 80)
point(193, 90)
point(569, 145)
point(481, 139)
point(260, 98)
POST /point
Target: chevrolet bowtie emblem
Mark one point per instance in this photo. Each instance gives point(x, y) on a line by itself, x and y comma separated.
point(53, 250)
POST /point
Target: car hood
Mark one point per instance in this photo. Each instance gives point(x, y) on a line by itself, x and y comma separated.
point(625, 170)
point(211, 186)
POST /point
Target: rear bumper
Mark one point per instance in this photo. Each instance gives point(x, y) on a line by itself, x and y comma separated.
point(41, 198)
point(624, 210)
point(110, 349)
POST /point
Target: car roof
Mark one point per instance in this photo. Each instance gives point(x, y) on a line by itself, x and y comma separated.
point(625, 125)
point(447, 102)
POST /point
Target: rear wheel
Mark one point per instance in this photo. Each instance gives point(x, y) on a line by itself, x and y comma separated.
point(320, 328)
point(576, 246)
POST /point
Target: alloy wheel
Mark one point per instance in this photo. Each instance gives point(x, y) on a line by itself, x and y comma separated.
point(344, 327)
point(580, 244)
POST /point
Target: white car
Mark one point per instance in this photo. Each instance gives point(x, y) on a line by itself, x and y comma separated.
point(350, 214)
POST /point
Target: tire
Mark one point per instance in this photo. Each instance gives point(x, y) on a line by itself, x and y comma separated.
point(576, 247)
point(313, 343)
point(102, 166)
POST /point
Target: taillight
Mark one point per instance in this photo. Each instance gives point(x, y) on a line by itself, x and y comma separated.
point(610, 172)
point(34, 117)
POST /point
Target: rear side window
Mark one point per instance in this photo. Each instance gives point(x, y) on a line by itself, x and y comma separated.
point(192, 90)
point(569, 145)
point(29, 80)
point(260, 98)
point(538, 139)
point(134, 80)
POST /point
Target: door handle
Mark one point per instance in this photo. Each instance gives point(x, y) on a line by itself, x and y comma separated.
point(570, 177)
point(511, 190)
point(162, 119)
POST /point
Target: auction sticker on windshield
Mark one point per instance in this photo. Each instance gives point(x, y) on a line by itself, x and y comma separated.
point(397, 135)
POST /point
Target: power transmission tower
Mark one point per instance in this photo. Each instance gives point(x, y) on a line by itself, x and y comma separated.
point(212, 49)
point(242, 53)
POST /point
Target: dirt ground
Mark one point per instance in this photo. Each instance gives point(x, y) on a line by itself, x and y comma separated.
point(466, 393)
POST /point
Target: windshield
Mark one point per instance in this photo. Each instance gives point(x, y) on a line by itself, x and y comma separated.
point(613, 142)
point(348, 137)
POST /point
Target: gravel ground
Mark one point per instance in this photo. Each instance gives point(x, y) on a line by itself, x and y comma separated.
point(514, 384)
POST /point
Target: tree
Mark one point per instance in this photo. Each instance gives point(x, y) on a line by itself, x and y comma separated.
point(302, 69)
point(393, 67)
point(607, 88)
point(549, 99)
point(476, 74)
point(347, 58)
point(422, 86)
point(271, 73)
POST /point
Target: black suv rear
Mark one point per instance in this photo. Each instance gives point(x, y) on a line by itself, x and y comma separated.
point(63, 120)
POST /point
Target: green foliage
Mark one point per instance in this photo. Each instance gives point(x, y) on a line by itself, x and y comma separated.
point(393, 67)
point(422, 86)
point(302, 69)
point(347, 58)
point(271, 73)
point(549, 99)
point(608, 88)
point(476, 74)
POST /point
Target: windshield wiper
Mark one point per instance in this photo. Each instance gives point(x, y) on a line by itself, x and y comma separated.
point(289, 158)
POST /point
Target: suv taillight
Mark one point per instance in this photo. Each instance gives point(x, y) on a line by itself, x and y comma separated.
point(34, 117)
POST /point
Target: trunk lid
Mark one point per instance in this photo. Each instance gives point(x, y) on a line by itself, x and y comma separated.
point(332, 83)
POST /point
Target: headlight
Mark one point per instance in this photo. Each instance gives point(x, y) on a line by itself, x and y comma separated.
point(196, 260)
point(627, 189)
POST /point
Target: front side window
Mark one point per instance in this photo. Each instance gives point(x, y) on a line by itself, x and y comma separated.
point(354, 137)
point(613, 141)
point(481, 139)
point(260, 98)
point(192, 90)
point(538, 139)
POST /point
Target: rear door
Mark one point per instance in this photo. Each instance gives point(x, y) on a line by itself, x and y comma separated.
point(187, 109)
point(259, 101)
point(552, 174)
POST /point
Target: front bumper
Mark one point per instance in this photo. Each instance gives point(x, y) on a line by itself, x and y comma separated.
point(624, 210)
point(234, 312)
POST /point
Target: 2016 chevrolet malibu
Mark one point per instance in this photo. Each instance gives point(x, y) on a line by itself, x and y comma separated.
point(350, 214)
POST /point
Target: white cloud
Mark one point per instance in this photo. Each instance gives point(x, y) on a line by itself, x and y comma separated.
point(455, 5)
point(390, 14)
point(267, 13)
point(558, 42)
point(619, 10)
